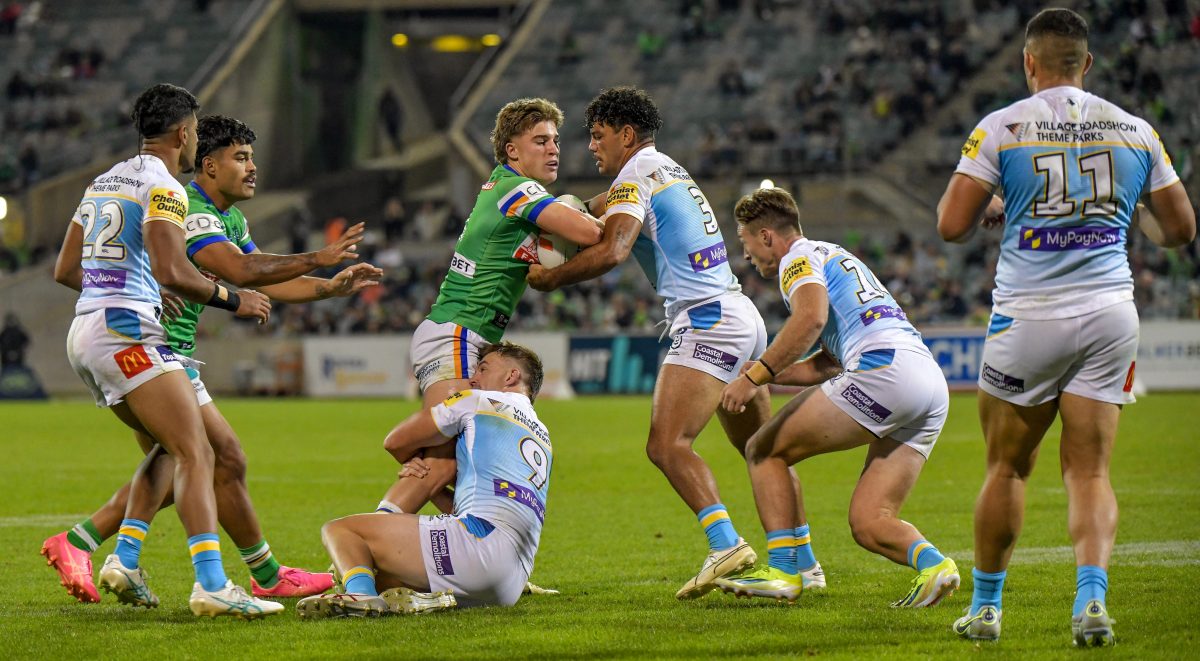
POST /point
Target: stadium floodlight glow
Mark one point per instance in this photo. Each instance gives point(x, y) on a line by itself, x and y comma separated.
point(490, 40)
point(767, 183)
point(453, 43)
point(399, 40)
point(3, 208)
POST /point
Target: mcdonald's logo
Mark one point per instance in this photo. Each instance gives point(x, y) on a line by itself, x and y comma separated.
point(132, 361)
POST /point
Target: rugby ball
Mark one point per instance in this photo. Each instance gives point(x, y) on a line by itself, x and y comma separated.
point(554, 250)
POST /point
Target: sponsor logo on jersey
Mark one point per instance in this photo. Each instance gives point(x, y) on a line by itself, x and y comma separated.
point(202, 223)
point(715, 356)
point(799, 268)
point(863, 402)
point(528, 250)
point(500, 320)
point(1054, 239)
point(878, 312)
point(104, 278)
point(132, 361)
point(439, 546)
point(166, 354)
point(489, 185)
point(623, 194)
point(428, 369)
point(1000, 380)
point(520, 494)
point(449, 401)
point(462, 266)
point(971, 148)
point(705, 259)
point(167, 204)
point(1017, 129)
point(1129, 377)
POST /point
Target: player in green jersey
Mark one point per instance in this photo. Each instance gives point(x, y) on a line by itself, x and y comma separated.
point(487, 275)
point(219, 243)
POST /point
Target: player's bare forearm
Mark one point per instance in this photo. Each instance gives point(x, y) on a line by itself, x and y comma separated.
point(817, 369)
point(961, 207)
point(416, 432)
point(810, 311)
point(598, 204)
point(619, 235)
point(68, 268)
point(260, 269)
point(304, 289)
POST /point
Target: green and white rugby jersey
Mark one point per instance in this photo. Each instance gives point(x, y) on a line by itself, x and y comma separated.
point(204, 225)
point(492, 257)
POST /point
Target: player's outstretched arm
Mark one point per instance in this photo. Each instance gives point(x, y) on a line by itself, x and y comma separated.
point(171, 268)
point(965, 202)
point(620, 231)
point(68, 268)
point(571, 224)
point(1174, 222)
point(347, 282)
point(257, 269)
point(416, 432)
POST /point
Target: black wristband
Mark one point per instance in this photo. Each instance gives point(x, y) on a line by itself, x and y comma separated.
point(224, 299)
point(768, 367)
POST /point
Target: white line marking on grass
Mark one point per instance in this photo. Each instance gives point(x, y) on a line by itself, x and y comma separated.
point(1171, 553)
point(39, 520)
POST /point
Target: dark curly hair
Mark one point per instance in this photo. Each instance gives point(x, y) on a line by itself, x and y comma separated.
point(217, 132)
point(624, 106)
point(161, 107)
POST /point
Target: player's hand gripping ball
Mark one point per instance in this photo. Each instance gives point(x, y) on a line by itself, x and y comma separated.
point(554, 250)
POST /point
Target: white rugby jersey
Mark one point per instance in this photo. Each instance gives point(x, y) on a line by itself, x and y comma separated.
point(504, 460)
point(680, 247)
point(862, 313)
point(116, 266)
point(1072, 167)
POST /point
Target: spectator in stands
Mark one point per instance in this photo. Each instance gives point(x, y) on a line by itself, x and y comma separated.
point(731, 82)
point(9, 16)
point(13, 342)
point(650, 44)
point(391, 114)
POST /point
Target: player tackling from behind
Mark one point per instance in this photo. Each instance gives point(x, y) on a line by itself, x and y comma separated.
point(483, 553)
point(129, 232)
point(877, 385)
point(487, 275)
point(1064, 330)
point(219, 242)
point(655, 211)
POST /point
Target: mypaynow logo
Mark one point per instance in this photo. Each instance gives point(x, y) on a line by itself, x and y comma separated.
point(103, 279)
point(1067, 238)
point(702, 260)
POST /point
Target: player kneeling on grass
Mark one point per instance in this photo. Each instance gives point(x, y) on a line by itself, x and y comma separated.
point(891, 397)
point(481, 555)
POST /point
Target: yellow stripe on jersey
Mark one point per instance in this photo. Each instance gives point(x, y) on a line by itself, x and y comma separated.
point(102, 196)
point(667, 185)
point(1047, 143)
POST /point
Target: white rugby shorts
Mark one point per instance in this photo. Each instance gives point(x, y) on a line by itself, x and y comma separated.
point(898, 393)
point(1029, 362)
point(717, 337)
point(115, 350)
point(480, 571)
point(444, 351)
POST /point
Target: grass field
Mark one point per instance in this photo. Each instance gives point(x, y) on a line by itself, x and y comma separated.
point(617, 542)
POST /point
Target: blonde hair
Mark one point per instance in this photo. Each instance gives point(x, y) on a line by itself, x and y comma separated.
point(774, 206)
point(518, 117)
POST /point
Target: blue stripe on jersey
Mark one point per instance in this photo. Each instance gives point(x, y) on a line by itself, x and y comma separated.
point(998, 324)
point(249, 248)
point(705, 317)
point(539, 207)
point(206, 241)
point(123, 321)
point(875, 360)
point(476, 526)
point(462, 354)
